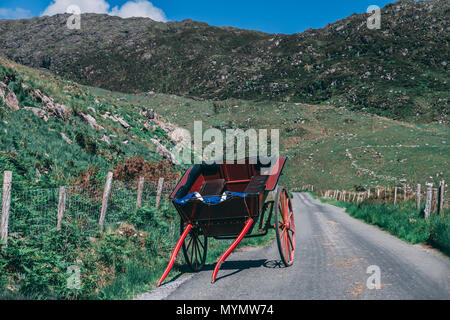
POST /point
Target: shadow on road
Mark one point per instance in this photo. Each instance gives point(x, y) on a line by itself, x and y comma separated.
point(237, 265)
point(274, 264)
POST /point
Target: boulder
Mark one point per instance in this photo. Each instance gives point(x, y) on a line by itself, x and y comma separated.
point(149, 114)
point(123, 123)
point(38, 112)
point(163, 151)
point(106, 139)
point(65, 138)
point(11, 101)
point(8, 97)
point(56, 109)
point(91, 121)
point(148, 127)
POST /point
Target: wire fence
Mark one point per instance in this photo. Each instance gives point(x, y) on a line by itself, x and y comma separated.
point(31, 211)
point(34, 212)
point(437, 197)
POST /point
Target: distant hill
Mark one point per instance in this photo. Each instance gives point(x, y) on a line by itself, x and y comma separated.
point(400, 71)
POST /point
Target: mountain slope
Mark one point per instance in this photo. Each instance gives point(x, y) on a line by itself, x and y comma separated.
point(53, 138)
point(55, 131)
point(400, 71)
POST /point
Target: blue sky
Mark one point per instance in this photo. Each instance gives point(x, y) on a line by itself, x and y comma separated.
point(282, 16)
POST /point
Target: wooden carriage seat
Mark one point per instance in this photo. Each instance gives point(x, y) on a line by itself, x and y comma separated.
point(212, 187)
point(256, 185)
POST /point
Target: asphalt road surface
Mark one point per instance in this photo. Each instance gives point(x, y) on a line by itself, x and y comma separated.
point(332, 257)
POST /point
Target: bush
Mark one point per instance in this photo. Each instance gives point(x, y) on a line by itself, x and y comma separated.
point(440, 233)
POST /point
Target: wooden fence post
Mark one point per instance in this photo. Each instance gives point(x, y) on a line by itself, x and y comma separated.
point(395, 195)
point(61, 206)
point(441, 198)
point(405, 193)
point(429, 200)
point(6, 202)
point(435, 200)
point(418, 196)
point(158, 194)
point(139, 194)
point(106, 194)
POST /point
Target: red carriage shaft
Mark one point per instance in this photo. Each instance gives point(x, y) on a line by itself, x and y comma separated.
point(231, 248)
point(175, 253)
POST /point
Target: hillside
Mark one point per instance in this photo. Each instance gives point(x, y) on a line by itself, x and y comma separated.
point(55, 139)
point(55, 131)
point(400, 71)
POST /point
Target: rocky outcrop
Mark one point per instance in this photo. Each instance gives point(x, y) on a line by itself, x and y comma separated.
point(163, 151)
point(8, 97)
point(106, 139)
point(116, 118)
point(123, 123)
point(149, 114)
point(65, 138)
point(56, 109)
point(91, 121)
point(38, 112)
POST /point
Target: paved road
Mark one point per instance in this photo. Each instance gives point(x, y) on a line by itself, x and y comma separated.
point(333, 252)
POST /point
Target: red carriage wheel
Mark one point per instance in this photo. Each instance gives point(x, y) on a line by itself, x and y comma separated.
point(195, 247)
point(285, 226)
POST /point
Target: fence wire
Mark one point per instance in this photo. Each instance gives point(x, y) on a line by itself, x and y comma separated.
point(83, 207)
point(34, 212)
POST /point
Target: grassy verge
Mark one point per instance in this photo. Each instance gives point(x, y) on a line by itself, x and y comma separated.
point(139, 278)
point(403, 221)
point(121, 263)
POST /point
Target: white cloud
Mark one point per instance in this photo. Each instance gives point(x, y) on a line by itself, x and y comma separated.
point(137, 8)
point(17, 13)
point(92, 6)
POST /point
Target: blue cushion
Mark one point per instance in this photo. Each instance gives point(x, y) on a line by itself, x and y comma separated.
point(213, 201)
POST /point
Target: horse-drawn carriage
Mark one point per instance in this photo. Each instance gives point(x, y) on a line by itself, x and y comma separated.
point(226, 201)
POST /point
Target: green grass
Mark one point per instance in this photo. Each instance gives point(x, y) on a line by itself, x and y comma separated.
point(140, 278)
point(402, 220)
point(121, 263)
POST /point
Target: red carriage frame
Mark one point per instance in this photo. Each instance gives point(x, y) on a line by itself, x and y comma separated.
point(245, 187)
